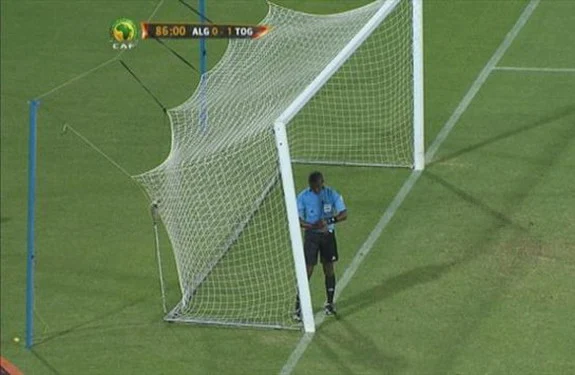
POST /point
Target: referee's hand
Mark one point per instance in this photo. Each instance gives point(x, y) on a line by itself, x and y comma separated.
point(321, 225)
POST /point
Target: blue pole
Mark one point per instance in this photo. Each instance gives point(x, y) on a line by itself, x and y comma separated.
point(203, 70)
point(30, 231)
point(203, 55)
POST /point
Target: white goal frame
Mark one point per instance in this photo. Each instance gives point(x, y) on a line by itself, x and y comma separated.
point(306, 95)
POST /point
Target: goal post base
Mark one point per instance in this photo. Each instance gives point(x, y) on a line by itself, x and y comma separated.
point(177, 316)
point(228, 195)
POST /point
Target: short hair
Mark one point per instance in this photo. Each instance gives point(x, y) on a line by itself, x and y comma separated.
point(314, 177)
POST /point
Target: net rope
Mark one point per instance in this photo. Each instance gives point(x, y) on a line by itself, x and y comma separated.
point(219, 193)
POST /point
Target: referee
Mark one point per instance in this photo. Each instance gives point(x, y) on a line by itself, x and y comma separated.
point(320, 207)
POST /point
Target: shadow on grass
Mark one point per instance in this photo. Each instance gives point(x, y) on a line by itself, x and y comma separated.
point(392, 286)
point(45, 362)
point(515, 249)
point(501, 218)
point(85, 325)
point(557, 115)
point(363, 351)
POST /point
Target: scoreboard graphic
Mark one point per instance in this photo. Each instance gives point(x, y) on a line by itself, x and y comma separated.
point(197, 31)
point(125, 33)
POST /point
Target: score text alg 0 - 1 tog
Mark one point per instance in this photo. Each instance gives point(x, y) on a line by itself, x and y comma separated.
point(196, 31)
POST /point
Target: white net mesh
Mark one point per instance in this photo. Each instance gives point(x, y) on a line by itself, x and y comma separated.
point(364, 114)
point(220, 196)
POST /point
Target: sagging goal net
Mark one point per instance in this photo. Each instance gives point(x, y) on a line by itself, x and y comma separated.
point(219, 192)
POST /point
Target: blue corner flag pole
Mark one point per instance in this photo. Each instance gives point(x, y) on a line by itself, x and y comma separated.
point(30, 231)
point(203, 70)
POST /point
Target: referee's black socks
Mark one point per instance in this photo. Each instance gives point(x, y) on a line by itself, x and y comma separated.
point(330, 288)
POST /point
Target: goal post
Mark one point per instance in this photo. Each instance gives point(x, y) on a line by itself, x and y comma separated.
point(292, 110)
point(294, 225)
point(344, 89)
point(337, 62)
point(418, 93)
point(370, 97)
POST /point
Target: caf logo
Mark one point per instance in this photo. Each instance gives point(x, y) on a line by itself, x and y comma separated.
point(124, 33)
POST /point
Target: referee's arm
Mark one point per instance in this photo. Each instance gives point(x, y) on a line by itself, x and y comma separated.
point(301, 212)
point(305, 225)
point(340, 208)
point(341, 216)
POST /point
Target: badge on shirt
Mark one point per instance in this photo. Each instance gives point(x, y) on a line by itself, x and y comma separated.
point(326, 208)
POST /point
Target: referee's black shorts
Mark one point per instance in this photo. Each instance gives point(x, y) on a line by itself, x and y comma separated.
point(322, 244)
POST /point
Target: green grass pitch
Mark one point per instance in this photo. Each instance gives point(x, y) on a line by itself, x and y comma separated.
point(475, 274)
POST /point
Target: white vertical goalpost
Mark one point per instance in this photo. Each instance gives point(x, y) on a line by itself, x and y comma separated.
point(280, 132)
point(418, 104)
point(226, 193)
point(294, 226)
point(357, 76)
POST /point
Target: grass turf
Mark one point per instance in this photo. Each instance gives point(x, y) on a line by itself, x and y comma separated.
point(473, 275)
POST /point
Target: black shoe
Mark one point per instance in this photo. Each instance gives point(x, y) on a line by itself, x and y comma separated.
point(329, 309)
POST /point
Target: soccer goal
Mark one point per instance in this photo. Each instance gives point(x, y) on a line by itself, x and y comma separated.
point(344, 88)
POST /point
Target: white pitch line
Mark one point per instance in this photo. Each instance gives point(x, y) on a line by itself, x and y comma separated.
point(82, 75)
point(155, 10)
point(534, 69)
point(410, 182)
point(79, 76)
point(491, 64)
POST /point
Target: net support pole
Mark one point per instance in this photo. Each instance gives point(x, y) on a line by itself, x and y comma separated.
point(294, 226)
point(338, 61)
point(33, 110)
point(203, 70)
point(155, 218)
point(418, 99)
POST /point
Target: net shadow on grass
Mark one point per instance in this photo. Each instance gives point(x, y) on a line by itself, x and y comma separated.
point(517, 254)
point(429, 273)
point(425, 274)
point(365, 351)
point(325, 345)
point(531, 246)
point(85, 325)
point(513, 269)
point(549, 119)
point(48, 365)
point(392, 286)
point(501, 217)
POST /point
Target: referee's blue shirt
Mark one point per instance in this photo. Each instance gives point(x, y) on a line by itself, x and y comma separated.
point(313, 207)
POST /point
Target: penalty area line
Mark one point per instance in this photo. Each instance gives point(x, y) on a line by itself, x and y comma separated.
point(408, 185)
point(534, 69)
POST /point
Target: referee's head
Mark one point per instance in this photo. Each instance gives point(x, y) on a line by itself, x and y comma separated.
point(315, 181)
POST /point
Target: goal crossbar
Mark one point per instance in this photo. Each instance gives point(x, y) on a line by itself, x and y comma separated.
point(206, 261)
point(337, 62)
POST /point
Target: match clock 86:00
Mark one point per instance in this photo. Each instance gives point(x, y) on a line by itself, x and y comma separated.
point(168, 31)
